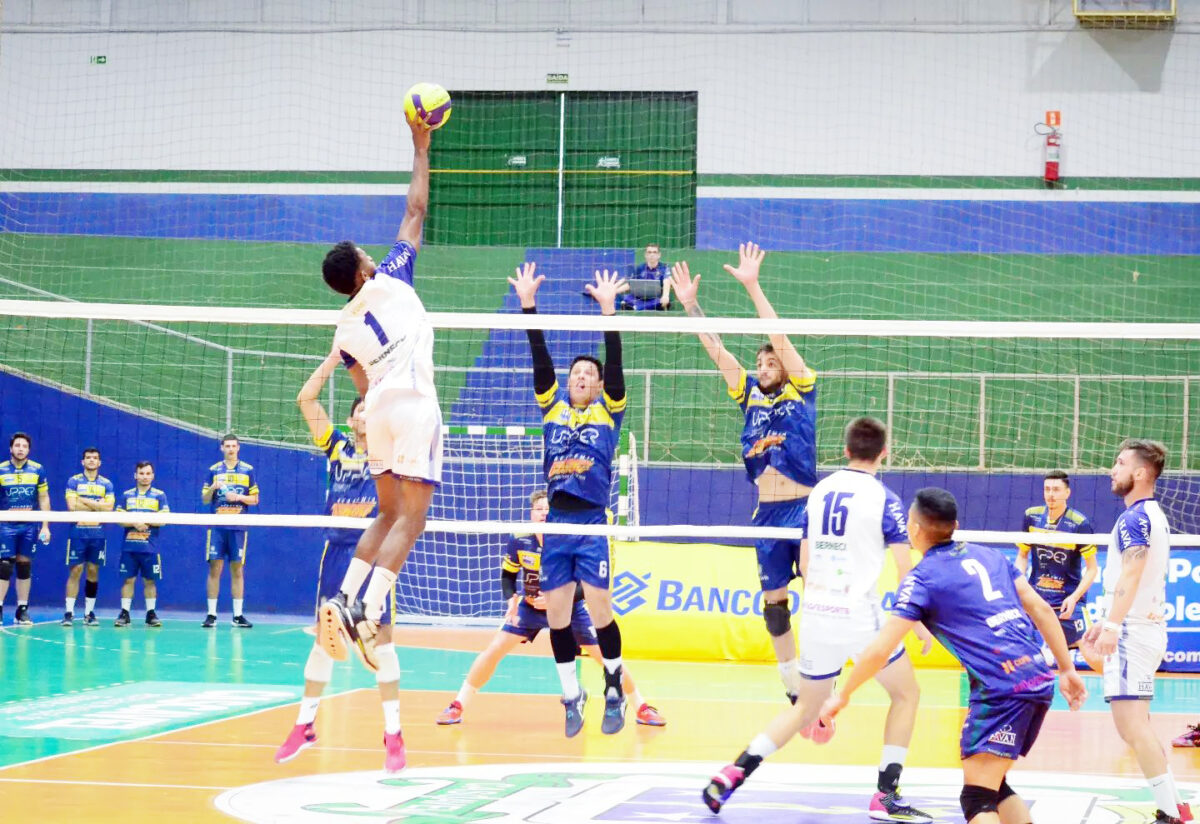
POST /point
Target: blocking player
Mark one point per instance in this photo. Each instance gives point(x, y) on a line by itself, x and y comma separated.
point(1132, 638)
point(22, 481)
point(526, 617)
point(976, 602)
point(350, 492)
point(779, 445)
point(851, 523)
point(580, 432)
point(88, 491)
point(139, 552)
point(386, 341)
point(1060, 573)
point(231, 486)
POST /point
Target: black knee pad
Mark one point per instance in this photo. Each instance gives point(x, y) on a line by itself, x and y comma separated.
point(1004, 792)
point(5, 569)
point(778, 617)
point(24, 569)
point(975, 800)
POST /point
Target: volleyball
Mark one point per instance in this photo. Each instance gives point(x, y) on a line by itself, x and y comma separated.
point(428, 103)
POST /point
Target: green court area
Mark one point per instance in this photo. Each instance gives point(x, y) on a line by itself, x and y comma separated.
point(959, 403)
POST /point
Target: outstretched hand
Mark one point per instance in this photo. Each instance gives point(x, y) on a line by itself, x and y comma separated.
point(605, 290)
point(686, 287)
point(421, 133)
point(526, 285)
point(750, 258)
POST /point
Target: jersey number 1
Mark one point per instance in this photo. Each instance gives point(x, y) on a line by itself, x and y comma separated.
point(975, 568)
point(370, 320)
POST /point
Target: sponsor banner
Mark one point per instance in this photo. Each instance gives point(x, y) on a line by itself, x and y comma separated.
point(618, 793)
point(703, 602)
point(134, 710)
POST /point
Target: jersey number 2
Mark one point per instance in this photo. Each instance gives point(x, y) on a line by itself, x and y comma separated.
point(973, 567)
point(833, 522)
point(370, 320)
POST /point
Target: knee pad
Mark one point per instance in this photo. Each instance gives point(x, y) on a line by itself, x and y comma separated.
point(389, 664)
point(778, 617)
point(5, 569)
point(319, 667)
point(24, 569)
point(975, 800)
point(1004, 792)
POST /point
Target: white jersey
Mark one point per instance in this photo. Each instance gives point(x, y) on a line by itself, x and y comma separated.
point(1141, 524)
point(850, 520)
point(385, 328)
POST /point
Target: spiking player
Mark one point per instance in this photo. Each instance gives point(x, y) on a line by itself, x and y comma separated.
point(1061, 573)
point(231, 486)
point(779, 445)
point(350, 492)
point(976, 602)
point(22, 481)
point(139, 552)
point(851, 523)
point(386, 340)
point(580, 432)
point(526, 617)
point(1132, 638)
point(88, 491)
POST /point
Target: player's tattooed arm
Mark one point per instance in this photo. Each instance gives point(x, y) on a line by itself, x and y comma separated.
point(687, 289)
point(1139, 552)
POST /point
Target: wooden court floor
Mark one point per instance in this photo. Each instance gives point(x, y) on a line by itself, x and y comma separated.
point(134, 725)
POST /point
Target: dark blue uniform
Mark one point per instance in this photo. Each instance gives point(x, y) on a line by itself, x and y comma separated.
point(139, 552)
point(20, 487)
point(643, 272)
point(1055, 570)
point(228, 543)
point(86, 543)
point(524, 555)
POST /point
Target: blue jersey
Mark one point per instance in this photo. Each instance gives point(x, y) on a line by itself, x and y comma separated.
point(400, 262)
point(351, 490)
point(781, 428)
point(524, 555)
point(240, 479)
point(134, 500)
point(100, 490)
point(966, 595)
point(1056, 569)
point(644, 272)
point(20, 487)
point(579, 445)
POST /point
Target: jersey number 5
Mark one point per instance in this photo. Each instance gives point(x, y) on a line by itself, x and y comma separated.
point(833, 522)
point(975, 568)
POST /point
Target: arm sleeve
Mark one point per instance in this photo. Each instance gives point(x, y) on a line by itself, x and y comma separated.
point(543, 366)
point(741, 393)
point(508, 583)
point(400, 261)
point(614, 370)
point(895, 523)
point(1133, 529)
point(912, 598)
point(1089, 550)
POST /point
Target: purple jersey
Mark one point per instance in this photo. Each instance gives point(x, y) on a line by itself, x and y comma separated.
point(966, 595)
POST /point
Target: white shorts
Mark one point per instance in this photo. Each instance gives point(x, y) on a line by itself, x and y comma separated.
point(1129, 672)
point(827, 642)
point(404, 436)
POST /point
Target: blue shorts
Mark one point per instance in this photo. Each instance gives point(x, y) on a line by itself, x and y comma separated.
point(85, 550)
point(226, 545)
point(531, 621)
point(778, 560)
point(1074, 628)
point(335, 560)
point(19, 539)
point(1004, 727)
point(570, 558)
point(146, 564)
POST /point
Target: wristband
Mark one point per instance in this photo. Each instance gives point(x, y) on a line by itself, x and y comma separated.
point(1111, 625)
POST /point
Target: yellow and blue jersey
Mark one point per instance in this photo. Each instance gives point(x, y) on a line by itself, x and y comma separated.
point(239, 479)
point(780, 428)
point(135, 500)
point(524, 555)
point(20, 487)
point(100, 490)
point(579, 444)
point(351, 489)
point(1055, 569)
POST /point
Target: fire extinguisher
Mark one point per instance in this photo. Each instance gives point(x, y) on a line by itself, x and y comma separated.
point(1053, 155)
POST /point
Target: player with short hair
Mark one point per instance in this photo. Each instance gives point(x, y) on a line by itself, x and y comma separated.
point(1132, 638)
point(652, 270)
point(526, 617)
point(779, 445)
point(852, 522)
point(976, 602)
point(87, 491)
point(1060, 573)
point(580, 432)
point(231, 487)
point(22, 481)
point(350, 492)
point(386, 341)
point(139, 552)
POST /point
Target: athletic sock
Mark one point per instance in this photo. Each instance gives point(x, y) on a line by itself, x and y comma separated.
point(126, 604)
point(70, 605)
point(383, 584)
point(352, 581)
point(212, 606)
point(89, 605)
point(151, 603)
point(391, 717)
point(238, 603)
point(465, 693)
point(308, 710)
point(609, 639)
point(1166, 797)
point(562, 641)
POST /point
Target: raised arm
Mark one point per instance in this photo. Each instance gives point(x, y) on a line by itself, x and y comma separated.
point(416, 202)
point(309, 399)
point(526, 284)
point(605, 290)
point(750, 259)
point(687, 289)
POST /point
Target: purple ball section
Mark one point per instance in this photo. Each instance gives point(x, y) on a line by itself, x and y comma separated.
point(430, 118)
